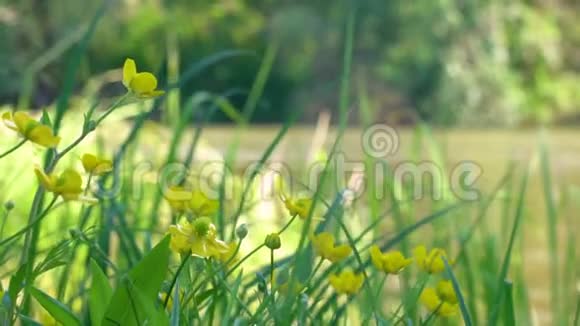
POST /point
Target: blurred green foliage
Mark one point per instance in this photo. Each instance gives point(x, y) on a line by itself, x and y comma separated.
point(449, 62)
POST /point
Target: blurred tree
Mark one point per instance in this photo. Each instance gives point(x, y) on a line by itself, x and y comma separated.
point(448, 62)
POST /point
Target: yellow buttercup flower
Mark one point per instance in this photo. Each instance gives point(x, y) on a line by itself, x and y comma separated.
point(446, 292)
point(199, 237)
point(230, 255)
point(142, 84)
point(201, 205)
point(431, 299)
point(68, 184)
point(392, 262)
point(323, 244)
point(300, 206)
point(347, 282)
point(432, 261)
point(178, 198)
point(95, 165)
point(30, 129)
point(194, 202)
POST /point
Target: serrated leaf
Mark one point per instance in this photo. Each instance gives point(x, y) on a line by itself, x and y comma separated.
point(133, 302)
point(100, 294)
point(55, 308)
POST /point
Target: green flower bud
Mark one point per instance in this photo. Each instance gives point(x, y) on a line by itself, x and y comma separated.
point(273, 241)
point(9, 205)
point(242, 231)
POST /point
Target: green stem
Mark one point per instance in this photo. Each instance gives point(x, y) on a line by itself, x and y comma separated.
point(112, 108)
point(169, 293)
point(30, 225)
point(272, 269)
point(238, 264)
point(433, 315)
point(287, 224)
point(314, 271)
point(4, 219)
point(13, 148)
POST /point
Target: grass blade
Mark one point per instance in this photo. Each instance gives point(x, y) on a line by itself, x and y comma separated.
point(508, 255)
point(464, 311)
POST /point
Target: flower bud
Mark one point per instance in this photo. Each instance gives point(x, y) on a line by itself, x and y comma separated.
point(242, 231)
point(273, 241)
point(9, 205)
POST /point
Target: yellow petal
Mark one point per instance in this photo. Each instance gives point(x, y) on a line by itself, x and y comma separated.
point(103, 167)
point(129, 72)
point(9, 121)
point(45, 180)
point(24, 123)
point(43, 135)
point(143, 83)
point(89, 162)
point(339, 253)
point(69, 184)
point(376, 257)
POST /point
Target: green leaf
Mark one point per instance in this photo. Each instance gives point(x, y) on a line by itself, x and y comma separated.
point(133, 302)
point(55, 308)
point(45, 118)
point(100, 294)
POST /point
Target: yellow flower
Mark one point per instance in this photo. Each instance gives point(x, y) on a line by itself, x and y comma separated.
point(446, 292)
point(300, 206)
point(142, 84)
point(201, 205)
point(347, 282)
point(323, 244)
point(96, 166)
point(68, 184)
point(431, 262)
point(391, 262)
point(178, 198)
point(430, 298)
point(194, 202)
point(228, 256)
point(30, 129)
point(200, 237)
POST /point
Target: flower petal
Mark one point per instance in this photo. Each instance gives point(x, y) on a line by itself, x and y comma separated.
point(43, 135)
point(143, 83)
point(129, 72)
point(9, 121)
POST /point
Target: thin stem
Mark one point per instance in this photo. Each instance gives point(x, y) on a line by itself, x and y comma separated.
point(432, 315)
point(14, 148)
point(88, 186)
point(112, 108)
point(238, 264)
point(183, 261)
point(287, 224)
point(32, 224)
point(314, 271)
point(271, 268)
point(379, 291)
point(4, 219)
